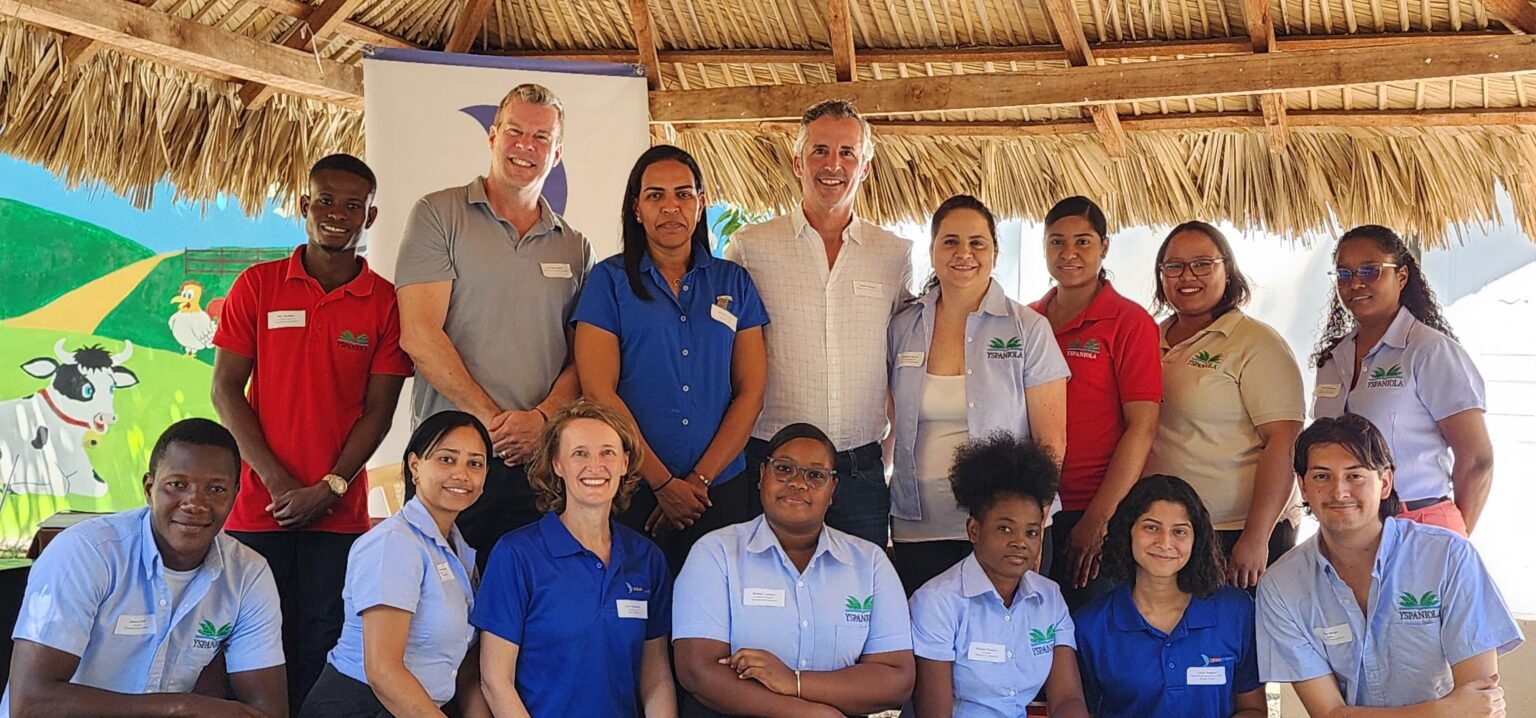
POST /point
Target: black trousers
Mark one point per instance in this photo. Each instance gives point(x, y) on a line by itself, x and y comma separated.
point(731, 506)
point(1282, 539)
point(506, 504)
point(310, 569)
point(1060, 569)
point(339, 696)
point(917, 562)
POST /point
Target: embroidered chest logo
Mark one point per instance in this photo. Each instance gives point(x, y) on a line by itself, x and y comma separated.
point(1084, 348)
point(1042, 642)
point(1215, 660)
point(636, 589)
point(1206, 360)
point(208, 636)
point(1391, 376)
point(1000, 348)
point(1411, 608)
point(857, 611)
point(348, 340)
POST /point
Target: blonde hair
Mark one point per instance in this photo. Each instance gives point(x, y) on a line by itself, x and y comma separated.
point(549, 489)
point(535, 94)
point(836, 109)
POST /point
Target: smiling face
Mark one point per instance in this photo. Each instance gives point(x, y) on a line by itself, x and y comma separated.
point(591, 461)
point(964, 250)
point(1379, 298)
point(451, 477)
point(190, 495)
point(525, 144)
point(1074, 252)
point(831, 164)
point(794, 502)
point(1343, 494)
point(1007, 537)
point(337, 209)
point(1193, 296)
point(1162, 540)
point(670, 205)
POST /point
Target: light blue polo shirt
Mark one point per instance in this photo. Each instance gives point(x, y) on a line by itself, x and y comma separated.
point(739, 587)
point(405, 563)
point(1001, 654)
point(1432, 605)
point(675, 351)
point(1008, 348)
point(1411, 380)
point(98, 593)
point(1132, 670)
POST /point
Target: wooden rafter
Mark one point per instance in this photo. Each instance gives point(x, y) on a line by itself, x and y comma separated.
point(1069, 30)
point(840, 37)
point(645, 41)
point(470, 21)
point(324, 20)
point(1517, 14)
point(356, 31)
point(1261, 32)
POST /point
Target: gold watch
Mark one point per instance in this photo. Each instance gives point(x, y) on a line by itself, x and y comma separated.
point(337, 484)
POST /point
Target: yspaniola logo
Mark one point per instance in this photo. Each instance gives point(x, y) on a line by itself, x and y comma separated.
point(352, 341)
point(1000, 348)
point(1084, 348)
point(208, 636)
point(1042, 642)
point(1386, 376)
point(1206, 360)
point(857, 611)
point(1424, 607)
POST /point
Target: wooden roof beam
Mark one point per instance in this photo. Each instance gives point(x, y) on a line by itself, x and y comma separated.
point(1070, 31)
point(840, 37)
point(1517, 14)
point(1261, 32)
point(645, 41)
point(356, 31)
point(470, 21)
point(322, 22)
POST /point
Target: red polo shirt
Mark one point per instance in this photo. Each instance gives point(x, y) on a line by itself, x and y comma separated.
point(1112, 349)
point(313, 355)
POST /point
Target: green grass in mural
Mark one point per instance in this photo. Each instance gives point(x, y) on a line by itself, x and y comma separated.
point(48, 254)
point(144, 315)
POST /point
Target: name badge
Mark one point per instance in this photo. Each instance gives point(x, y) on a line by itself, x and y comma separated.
point(444, 573)
point(1327, 391)
point(555, 270)
point(909, 359)
point(135, 625)
point(1334, 635)
point(772, 597)
point(987, 652)
point(1206, 676)
point(629, 608)
point(723, 315)
point(868, 289)
point(285, 320)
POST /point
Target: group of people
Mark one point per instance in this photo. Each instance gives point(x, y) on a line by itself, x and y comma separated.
point(657, 484)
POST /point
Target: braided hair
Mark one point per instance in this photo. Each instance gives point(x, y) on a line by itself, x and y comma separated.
point(1417, 295)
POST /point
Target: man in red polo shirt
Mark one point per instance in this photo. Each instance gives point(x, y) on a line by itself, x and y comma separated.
point(318, 337)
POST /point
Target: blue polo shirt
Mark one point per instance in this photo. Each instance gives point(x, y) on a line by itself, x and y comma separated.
point(1432, 605)
point(405, 563)
point(1001, 654)
point(739, 587)
point(99, 593)
point(675, 350)
point(1132, 670)
point(579, 623)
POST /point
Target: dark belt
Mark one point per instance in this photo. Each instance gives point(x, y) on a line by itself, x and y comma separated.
point(1423, 503)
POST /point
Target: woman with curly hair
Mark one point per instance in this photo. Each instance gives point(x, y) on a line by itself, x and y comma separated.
point(577, 589)
point(990, 632)
point(1388, 354)
point(1171, 607)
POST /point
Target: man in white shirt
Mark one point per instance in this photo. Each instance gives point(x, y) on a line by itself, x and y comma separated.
point(830, 282)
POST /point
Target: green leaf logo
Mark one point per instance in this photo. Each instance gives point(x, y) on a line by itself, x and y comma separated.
point(1091, 345)
point(856, 606)
point(206, 629)
point(356, 340)
point(1038, 637)
point(1393, 372)
point(1408, 600)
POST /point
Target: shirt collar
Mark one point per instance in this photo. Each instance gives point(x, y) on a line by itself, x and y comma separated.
point(762, 538)
point(803, 225)
point(557, 538)
point(1103, 305)
point(548, 219)
point(1201, 613)
point(995, 302)
point(1391, 536)
point(1224, 324)
point(415, 513)
point(360, 286)
point(701, 258)
point(974, 582)
point(154, 565)
point(1397, 332)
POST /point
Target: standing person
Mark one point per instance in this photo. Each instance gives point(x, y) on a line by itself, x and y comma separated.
point(965, 361)
point(1232, 401)
point(672, 338)
point(575, 609)
point(1375, 611)
point(1384, 326)
point(317, 338)
point(831, 281)
point(1172, 606)
point(91, 638)
point(990, 632)
point(405, 648)
point(1111, 346)
point(488, 277)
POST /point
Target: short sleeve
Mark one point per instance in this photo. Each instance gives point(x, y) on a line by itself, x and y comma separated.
point(659, 613)
point(386, 568)
point(599, 302)
point(1043, 361)
point(934, 623)
point(238, 321)
point(1270, 382)
point(1286, 653)
point(1447, 383)
point(1061, 618)
point(1137, 361)
point(256, 642)
point(701, 605)
point(890, 626)
point(390, 359)
point(64, 592)
point(1245, 675)
point(424, 254)
point(751, 313)
point(1474, 618)
point(501, 605)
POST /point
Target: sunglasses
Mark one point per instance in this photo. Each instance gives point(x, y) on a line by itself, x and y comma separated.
point(784, 471)
point(1367, 274)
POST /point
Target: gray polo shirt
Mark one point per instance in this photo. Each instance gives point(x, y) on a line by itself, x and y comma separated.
point(509, 313)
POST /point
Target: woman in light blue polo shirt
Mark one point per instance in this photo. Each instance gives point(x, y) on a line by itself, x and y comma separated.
point(409, 589)
point(965, 360)
point(784, 615)
point(576, 607)
point(1389, 355)
point(1171, 608)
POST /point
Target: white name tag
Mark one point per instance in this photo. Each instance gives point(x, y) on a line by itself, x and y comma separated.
point(555, 270)
point(909, 359)
point(1206, 676)
point(285, 320)
point(444, 573)
point(773, 597)
point(1327, 391)
point(1335, 635)
point(868, 289)
point(987, 652)
point(632, 609)
point(723, 315)
point(135, 625)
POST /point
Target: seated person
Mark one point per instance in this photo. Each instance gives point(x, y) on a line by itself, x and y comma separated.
point(989, 632)
point(786, 616)
point(1376, 611)
point(123, 612)
point(1171, 605)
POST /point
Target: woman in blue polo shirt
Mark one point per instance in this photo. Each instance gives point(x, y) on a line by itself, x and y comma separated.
point(1389, 355)
point(965, 360)
point(1171, 609)
point(409, 590)
point(990, 632)
point(672, 337)
point(575, 608)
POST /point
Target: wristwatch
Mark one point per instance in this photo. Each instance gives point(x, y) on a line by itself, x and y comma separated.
point(337, 484)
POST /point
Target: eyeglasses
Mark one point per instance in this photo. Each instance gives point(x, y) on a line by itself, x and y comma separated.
point(1198, 267)
point(1367, 274)
point(784, 471)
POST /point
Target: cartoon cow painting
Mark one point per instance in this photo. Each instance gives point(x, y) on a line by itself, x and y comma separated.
point(42, 436)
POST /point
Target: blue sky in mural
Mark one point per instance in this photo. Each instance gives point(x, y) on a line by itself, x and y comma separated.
point(168, 226)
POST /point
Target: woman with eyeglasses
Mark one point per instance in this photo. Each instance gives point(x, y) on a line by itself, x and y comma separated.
point(786, 616)
point(1232, 401)
point(964, 361)
point(1388, 355)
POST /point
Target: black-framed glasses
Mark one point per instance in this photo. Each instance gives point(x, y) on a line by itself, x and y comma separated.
point(784, 471)
point(1367, 273)
point(1198, 267)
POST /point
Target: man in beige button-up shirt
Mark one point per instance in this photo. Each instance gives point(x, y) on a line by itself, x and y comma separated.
point(830, 282)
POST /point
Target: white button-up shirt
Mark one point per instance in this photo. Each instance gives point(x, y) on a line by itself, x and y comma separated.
point(827, 342)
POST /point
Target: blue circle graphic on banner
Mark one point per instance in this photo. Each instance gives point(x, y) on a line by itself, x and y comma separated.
point(556, 189)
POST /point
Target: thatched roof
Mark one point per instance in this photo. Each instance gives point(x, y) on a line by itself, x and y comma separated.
point(1164, 110)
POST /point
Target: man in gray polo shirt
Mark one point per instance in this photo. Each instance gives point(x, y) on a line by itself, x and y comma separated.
point(487, 278)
